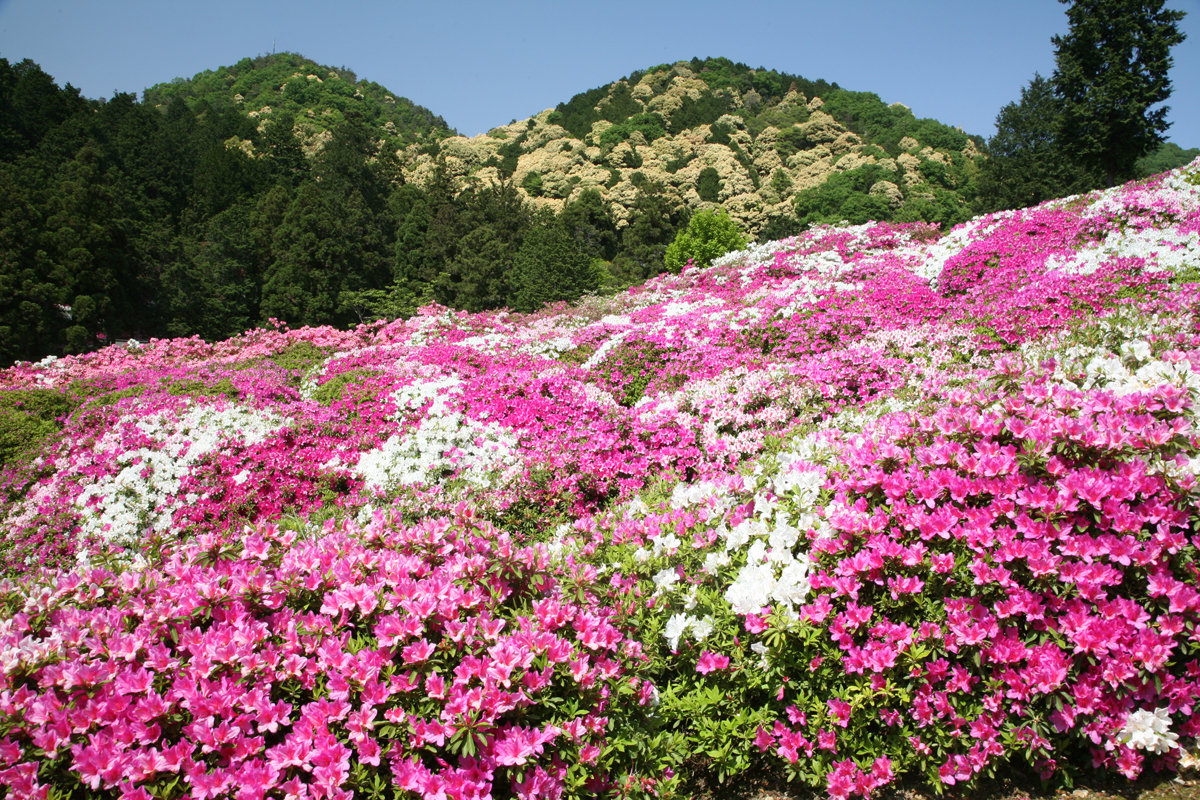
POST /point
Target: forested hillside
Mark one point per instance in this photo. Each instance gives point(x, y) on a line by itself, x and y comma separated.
point(188, 213)
point(776, 151)
point(317, 98)
point(278, 188)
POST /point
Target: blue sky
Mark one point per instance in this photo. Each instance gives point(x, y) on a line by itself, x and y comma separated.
point(482, 64)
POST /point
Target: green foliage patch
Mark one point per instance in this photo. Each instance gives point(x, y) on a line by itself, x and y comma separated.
point(299, 356)
point(293, 84)
point(340, 385)
point(29, 419)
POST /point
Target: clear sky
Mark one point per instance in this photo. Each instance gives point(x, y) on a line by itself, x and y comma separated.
point(483, 64)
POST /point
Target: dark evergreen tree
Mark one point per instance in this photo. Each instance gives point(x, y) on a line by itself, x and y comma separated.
point(31, 105)
point(550, 267)
point(652, 226)
point(351, 162)
point(285, 157)
point(324, 246)
point(708, 184)
point(478, 246)
point(31, 285)
point(779, 227)
point(223, 175)
point(212, 290)
point(1025, 165)
point(410, 209)
point(1111, 78)
point(589, 222)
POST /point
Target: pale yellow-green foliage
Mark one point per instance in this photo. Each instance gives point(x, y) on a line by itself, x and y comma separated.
point(889, 190)
point(567, 166)
point(852, 159)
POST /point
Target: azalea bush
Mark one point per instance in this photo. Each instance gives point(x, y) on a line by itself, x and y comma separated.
point(870, 504)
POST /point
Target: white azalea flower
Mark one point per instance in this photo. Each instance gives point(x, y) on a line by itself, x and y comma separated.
point(675, 628)
point(665, 580)
point(1149, 730)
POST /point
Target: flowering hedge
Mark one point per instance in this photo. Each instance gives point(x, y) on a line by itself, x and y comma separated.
point(870, 503)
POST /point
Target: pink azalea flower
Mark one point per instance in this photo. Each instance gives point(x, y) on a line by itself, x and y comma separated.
point(710, 662)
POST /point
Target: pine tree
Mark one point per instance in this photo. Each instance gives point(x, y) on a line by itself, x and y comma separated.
point(1111, 78)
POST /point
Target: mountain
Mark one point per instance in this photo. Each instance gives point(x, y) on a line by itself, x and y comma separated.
point(318, 98)
point(775, 150)
point(279, 189)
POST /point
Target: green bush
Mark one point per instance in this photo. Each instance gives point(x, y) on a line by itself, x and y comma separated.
point(709, 235)
point(28, 419)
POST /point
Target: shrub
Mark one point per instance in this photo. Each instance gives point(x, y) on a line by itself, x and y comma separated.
point(709, 234)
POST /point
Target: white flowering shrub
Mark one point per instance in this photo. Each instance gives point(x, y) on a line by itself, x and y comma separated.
point(443, 444)
point(141, 492)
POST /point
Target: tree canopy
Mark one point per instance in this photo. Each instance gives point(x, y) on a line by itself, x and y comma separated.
point(1111, 80)
point(708, 236)
point(1025, 164)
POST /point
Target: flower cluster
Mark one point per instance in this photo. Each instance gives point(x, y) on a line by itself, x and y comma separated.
point(864, 503)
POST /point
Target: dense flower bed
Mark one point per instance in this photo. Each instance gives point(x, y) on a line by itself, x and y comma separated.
point(868, 503)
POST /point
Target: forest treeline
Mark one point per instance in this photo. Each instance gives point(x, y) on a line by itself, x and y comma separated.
point(128, 219)
point(194, 211)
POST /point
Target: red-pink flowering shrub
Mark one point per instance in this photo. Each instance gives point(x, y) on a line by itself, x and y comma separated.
point(867, 503)
point(441, 658)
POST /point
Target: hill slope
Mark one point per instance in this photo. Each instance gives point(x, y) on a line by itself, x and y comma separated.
point(815, 511)
point(319, 98)
point(711, 132)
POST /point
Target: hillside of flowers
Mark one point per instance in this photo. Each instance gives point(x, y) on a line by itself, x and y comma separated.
point(874, 505)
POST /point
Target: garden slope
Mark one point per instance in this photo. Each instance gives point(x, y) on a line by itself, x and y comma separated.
point(826, 506)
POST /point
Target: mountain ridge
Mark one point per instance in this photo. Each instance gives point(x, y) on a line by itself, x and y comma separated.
point(769, 137)
point(660, 128)
point(291, 82)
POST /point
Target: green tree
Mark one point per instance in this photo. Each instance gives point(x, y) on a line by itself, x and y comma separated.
point(1025, 164)
point(533, 183)
point(284, 156)
point(1111, 78)
point(32, 286)
point(781, 183)
point(471, 245)
point(652, 225)
point(589, 222)
point(708, 185)
point(779, 226)
point(353, 162)
point(709, 235)
point(325, 245)
point(550, 267)
point(845, 196)
point(31, 105)
point(1166, 157)
point(212, 290)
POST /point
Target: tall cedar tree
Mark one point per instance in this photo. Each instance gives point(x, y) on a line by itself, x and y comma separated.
point(1025, 165)
point(1111, 77)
